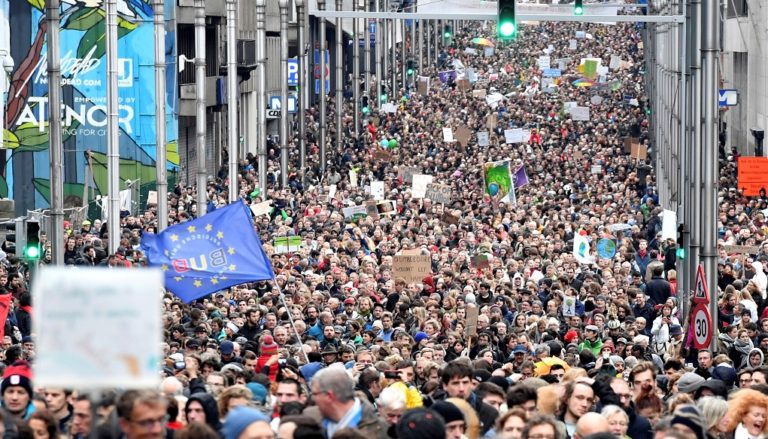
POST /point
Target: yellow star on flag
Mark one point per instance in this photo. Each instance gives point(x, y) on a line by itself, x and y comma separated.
point(208, 227)
point(231, 250)
point(191, 229)
point(174, 238)
point(197, 283)
point(164, 267)
point(214, 280)
point(220, 235)
point(232, 267)
point(178, 278)
point(223, 277)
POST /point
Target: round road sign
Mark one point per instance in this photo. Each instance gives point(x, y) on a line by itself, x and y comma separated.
point(702, 327)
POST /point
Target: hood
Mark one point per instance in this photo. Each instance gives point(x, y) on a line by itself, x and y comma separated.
point(209, 405)
point(762, 357)
point(758, 266)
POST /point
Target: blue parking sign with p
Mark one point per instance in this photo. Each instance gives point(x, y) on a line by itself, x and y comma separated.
point(293, 72)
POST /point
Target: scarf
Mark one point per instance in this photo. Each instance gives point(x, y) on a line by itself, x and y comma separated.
point(726, 339)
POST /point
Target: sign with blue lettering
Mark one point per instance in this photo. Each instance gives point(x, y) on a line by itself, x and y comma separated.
point(551, 73)
point(728, 98)
point(316, 72)
point(275, 104)
point(372, 30)
point(293, 72)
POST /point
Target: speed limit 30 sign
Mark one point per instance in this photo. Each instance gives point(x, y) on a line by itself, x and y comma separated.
point(702, 327)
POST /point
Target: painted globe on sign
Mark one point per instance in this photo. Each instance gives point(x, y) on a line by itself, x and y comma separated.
point(493, 189)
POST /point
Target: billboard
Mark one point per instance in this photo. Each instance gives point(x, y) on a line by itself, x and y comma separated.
point(25, 176)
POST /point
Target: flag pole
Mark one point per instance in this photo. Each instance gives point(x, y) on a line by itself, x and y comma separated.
point(290, 319)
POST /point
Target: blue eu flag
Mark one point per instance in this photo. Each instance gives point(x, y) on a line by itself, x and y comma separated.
point(216, 251)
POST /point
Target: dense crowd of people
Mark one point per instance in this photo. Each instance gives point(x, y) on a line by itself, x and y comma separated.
point(529, 343)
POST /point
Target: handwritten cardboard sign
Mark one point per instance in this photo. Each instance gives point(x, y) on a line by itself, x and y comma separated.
point(439, 193)
point(407, 173)
point(412, 268)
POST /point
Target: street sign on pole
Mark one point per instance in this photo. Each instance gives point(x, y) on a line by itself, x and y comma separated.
point(317, 72)
point(293, 72)
point(273, 114)
point(728, 98)
point(701, 290)
point(275, 104)
point(702, 327)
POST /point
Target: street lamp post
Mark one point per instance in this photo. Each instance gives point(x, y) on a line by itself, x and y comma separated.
point(200, 122)
point(302, 92)
point(232, 98)
point(339, 77)
point(161, 167)
point(261, 94)
point(283, 93)
point(323, 91)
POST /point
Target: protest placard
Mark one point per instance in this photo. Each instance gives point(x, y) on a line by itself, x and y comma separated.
point(420, 183)
point(741, 249)
point(407, 173)
point(382, 155)
point(481, 261)
point(97, 328)
point(615, 62)
point(463, 135)
point(439, 193)
point(286, 244)
point(482, 138)
point(353, 178)
point(479, 93)
point(490, 121)
point(262, 208)
point(580, 113)
point(377, 190)
point(472, 314)
point(638, 152)
point(463, 84)
point(596, 169)
point(448, 134)
point(596, 100)
point(152, 197)
point(412, 268)
point(450, 218)
point(544, 62)
point(354, 212)
point(571, 44)
point(423, 85)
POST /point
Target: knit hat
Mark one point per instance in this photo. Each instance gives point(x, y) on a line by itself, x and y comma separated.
point(448, 411)
point(420, 423)
point(259, 392)
point(268, 345)
point(689, 416)
point(725, 373)
point(420, 336)
point(570, 336)
point(239, 419)
point(18, 374)
point(689, 382)
point(227, 347)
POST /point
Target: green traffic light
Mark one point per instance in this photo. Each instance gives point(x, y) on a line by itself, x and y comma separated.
point(365, 110)
point(447, 35)
point(32, 252)
point(680, 253)
point(578, 10)
point(383, 98)
point(507, 29)
point(410, 72)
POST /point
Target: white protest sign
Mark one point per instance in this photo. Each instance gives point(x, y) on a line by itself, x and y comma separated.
point(439, 193)
point(615, 62)
point(580, 113)
point(331, 192)
point(571, 44)
point(377, 190)
point(352, 178)
point(152, 197)
point(97, 328)
point(482, 138)
point(259, 209)
point(509, 136)
point(544, 62)
point(420, 183)
point(470, 51)
point(353, 211)
point(448, 134)
point(596, 100)
point(668, 224)
point(389, 108)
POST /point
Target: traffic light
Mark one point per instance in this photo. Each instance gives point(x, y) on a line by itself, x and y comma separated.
point(32, 249)
point(578, 7)
point(365, 108)
point(680, 252)
point(411, 64)
point(447, 31)
point(507, 23)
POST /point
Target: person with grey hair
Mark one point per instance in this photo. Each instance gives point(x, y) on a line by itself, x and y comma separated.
point(618, 420)
point(391, 404)
point(541, 351)
point(334, 394)
point(713, 410)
